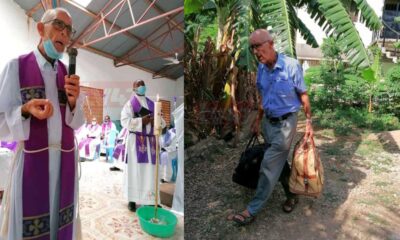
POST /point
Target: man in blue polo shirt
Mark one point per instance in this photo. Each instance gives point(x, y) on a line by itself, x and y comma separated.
point(282, 93)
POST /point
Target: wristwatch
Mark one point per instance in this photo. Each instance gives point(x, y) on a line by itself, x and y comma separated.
point(25, 115)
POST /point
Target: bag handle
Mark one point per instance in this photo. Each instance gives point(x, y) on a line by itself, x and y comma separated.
point(304, 143)
point(252, 141)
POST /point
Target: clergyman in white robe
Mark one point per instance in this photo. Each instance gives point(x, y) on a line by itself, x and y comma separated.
point(139, 185)
point(13, 127)
point(92, 139)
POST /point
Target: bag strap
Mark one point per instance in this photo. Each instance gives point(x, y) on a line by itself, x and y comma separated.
point(312, 143)
point(316, 155)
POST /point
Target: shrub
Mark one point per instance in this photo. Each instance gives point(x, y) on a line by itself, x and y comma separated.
point(393, 74)
point(347, 121)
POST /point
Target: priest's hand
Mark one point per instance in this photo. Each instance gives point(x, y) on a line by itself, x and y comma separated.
point(72, 89)
point(39, 108)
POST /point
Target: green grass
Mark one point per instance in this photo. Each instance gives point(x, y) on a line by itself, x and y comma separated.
point(374, 156)
point(382, 184)
point(353, 121)
point(377, 168)
point(369, 147)
point(334, 150)
point(327, 132)
point(368, 202)
point(376, 219)
point(386, 66)
point(383, 198)
point(387, 199)
point(379, 164)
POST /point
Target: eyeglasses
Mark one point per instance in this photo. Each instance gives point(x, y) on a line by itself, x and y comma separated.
point(60, 26)
point(256, 46)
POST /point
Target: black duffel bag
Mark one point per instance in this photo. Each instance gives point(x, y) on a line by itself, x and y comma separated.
point(247, 171)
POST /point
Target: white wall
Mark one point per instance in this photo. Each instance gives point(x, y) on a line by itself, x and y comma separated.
point(20, 37)
point(99, 72)
point(179, 91)
point(17, 36)
point(319, 34)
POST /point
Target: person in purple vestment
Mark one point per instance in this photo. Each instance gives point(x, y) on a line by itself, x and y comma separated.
point(137, 117)
point(119, 155)
point(106, 127)
point(108, 135)
point(40, 108)
point(89, 147)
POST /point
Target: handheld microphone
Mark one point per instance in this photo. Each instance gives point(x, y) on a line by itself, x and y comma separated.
point(72, 53)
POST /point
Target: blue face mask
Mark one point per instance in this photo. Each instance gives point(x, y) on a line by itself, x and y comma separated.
point(51, 51)
point(141, 90)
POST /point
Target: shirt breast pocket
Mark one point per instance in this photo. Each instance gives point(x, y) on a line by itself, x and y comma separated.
point(283, 87)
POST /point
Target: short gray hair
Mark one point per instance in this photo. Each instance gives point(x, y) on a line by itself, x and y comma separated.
point(269, 36)
point(51, 14)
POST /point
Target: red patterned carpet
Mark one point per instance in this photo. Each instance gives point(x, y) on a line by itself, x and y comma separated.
point(103, 209)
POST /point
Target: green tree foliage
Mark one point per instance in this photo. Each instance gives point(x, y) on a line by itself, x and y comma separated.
point(388, 95)
point(341, 95)
point(240, 17)
point(329, 93)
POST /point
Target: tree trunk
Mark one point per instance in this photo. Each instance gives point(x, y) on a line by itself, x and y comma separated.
point(370, 104)
point(223, 14)
point(235, 110)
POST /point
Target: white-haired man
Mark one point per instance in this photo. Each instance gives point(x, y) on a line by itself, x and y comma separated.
point(282, 94)
point(40, 108)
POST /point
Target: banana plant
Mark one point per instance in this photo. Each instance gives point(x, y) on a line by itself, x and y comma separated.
point(281, 17)
point(373, 75)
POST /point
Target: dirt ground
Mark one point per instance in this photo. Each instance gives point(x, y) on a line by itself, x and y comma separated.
point(361, 197)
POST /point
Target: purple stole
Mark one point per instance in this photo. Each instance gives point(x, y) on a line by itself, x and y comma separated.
point(12, 146)
point(141, 143)
point(105, 127)
point(120, 148)
point(35, 182)
point(86, 142)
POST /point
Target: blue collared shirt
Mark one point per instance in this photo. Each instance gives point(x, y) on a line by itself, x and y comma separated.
point(281, 86)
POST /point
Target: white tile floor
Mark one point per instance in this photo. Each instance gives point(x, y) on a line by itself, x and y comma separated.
point(104, 211)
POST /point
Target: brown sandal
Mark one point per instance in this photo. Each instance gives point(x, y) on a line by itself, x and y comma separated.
point(289, 204)
point(241, 219)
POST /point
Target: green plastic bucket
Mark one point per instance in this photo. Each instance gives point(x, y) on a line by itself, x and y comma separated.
point(146, 213)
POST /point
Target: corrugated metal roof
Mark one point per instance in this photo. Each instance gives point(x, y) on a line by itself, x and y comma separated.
point(156, 34)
